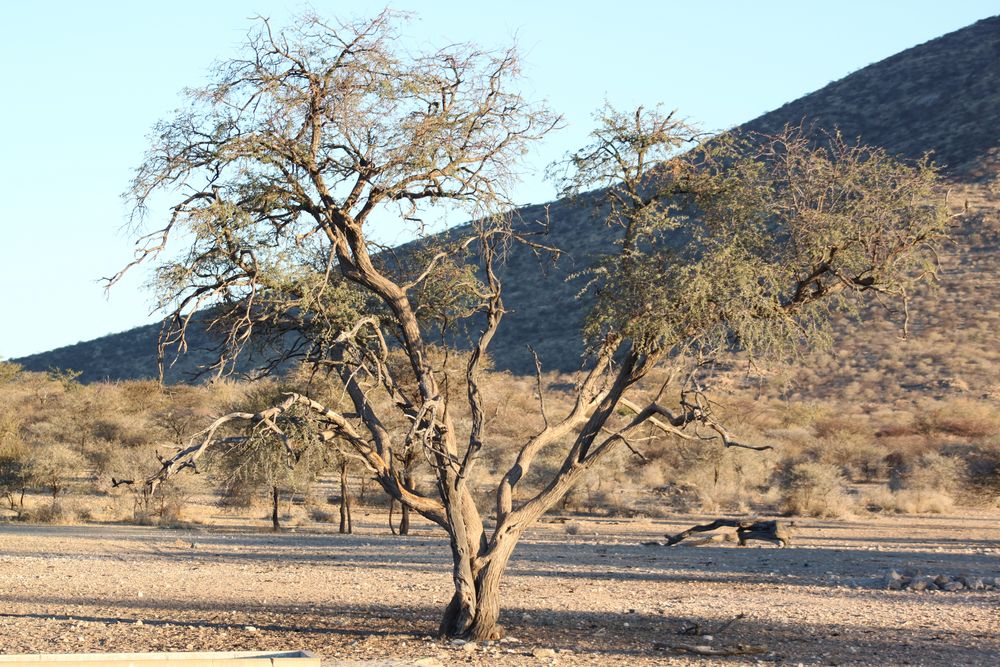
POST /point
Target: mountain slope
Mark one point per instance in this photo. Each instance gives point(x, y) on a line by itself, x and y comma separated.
point(942, 96)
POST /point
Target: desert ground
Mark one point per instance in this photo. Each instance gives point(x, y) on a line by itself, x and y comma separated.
point(582, 592)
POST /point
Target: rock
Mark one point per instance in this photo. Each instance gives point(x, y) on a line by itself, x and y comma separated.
point(249, 628)
point(543, 653)
point(470, 647)
point(894, 581)
point(922, 583)
point(953, 586)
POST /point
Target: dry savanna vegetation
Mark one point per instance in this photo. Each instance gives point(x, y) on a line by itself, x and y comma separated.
point(62, 444)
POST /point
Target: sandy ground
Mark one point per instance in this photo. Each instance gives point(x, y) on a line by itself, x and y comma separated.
point(595, 598)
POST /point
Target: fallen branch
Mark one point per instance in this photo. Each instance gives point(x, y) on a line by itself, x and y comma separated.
point(736, 649)
point(746, 529)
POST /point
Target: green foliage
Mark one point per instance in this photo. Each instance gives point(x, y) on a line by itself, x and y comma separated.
point(751, 242)
point(289, 460)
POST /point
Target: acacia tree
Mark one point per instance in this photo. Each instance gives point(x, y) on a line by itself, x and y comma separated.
point(249, 463)
point(284, 164)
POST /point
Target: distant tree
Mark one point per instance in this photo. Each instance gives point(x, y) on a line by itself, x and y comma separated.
point(15, 477)
point(9, 371)
point(346, 520)
point(265, 460)
point(54, 466)
point(298, 148)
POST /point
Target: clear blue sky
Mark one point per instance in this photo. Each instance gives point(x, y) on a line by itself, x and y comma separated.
point(84, 82)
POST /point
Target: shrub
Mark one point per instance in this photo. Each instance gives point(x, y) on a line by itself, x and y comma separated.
point(323, 514)
point(813, 489)
point(59, 513)
point(929, 483)
point(908, 501)
point(931, 471)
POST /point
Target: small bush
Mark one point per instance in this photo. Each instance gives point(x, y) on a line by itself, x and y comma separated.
point(908, 501)
point(928, 484)
point(813, 489)
point(323, 514)
point(57, 513)
point(931, 471)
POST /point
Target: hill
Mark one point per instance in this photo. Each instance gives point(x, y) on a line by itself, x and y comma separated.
point(942, 96)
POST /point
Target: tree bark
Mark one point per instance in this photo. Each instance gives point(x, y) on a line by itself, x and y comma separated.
point(275, 523)
point(474, 610)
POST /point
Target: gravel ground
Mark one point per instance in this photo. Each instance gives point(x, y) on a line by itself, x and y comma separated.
point(594, 598)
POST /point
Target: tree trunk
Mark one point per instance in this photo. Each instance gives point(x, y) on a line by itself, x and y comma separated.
point(345, 502)
point(275, 524)
point(474, 610)
point(404, 521)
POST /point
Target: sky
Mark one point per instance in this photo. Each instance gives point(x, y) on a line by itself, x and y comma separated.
point(83, 84)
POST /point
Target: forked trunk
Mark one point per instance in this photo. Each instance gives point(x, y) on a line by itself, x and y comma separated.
point(474, 610)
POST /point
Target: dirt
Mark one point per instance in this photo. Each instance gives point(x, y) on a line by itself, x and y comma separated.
point(596, 597)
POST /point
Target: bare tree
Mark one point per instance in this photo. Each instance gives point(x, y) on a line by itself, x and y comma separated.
point(283, 166)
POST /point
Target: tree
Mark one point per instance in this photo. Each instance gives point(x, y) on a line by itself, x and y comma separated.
point(15, 473)
point(54, 465)
point(248, 464)
point(290, 157)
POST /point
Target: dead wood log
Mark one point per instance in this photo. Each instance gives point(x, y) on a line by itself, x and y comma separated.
point(746, 529)
point(738, 649)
